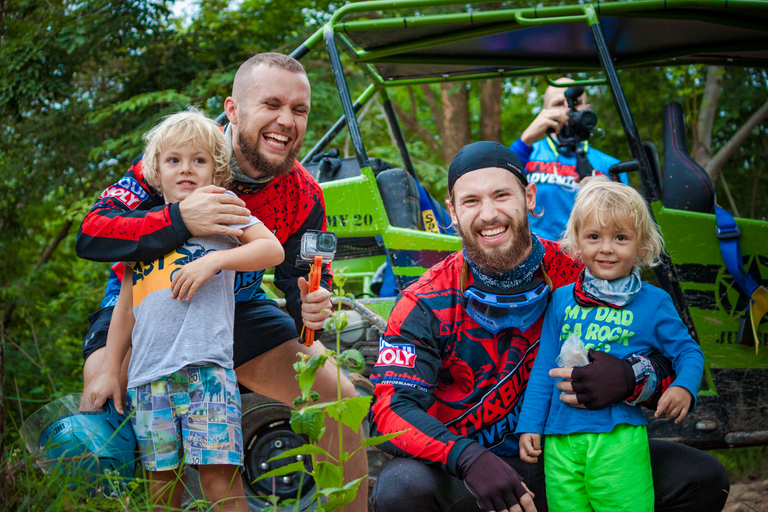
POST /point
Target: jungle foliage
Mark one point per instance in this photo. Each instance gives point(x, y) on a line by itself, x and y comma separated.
point(82, 81)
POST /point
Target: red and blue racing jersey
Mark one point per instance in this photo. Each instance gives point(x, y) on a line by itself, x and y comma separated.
point(445, 380)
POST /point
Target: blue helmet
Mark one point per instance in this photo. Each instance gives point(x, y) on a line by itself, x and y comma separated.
point(86, 440)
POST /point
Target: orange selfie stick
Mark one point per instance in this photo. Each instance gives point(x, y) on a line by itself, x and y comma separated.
point(314, 284)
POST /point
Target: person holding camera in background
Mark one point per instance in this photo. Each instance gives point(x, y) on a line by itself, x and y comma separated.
point(556, 154)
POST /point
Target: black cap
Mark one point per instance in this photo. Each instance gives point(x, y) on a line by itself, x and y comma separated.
point(482, 155)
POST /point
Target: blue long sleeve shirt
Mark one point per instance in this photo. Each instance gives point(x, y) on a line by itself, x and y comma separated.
point(649, 322)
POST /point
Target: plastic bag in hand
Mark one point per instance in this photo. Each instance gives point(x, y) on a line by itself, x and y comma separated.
point(573, 353)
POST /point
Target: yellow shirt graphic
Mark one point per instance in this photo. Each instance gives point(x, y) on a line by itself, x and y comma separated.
point(156, 275)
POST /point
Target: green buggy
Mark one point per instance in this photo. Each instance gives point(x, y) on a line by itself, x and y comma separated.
point(376, 209)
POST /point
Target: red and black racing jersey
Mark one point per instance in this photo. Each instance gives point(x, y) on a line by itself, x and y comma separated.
point(445, 380)
point(130, 222)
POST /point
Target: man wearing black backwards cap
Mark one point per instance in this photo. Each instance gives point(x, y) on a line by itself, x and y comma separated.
point(458, 350)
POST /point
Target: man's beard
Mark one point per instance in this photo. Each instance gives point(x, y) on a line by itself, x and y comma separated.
point(497, 260)
point(249, 147)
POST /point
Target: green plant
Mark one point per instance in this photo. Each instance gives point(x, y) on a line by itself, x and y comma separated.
point(309, 419)
point(744, 463)
point(29, 489)
point(59, 489)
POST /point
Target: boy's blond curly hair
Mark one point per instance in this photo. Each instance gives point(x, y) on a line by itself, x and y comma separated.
point(608, 202)
point(181, 129)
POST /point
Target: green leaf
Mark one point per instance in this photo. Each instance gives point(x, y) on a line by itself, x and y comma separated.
point(353, 360)
point(339, 321)
point(305, 449)
point(308, 372)
point(317, 361)
point(284, 470)
point(352, 411)
point(322, 406)
point(138, 103)
point(309, 422)
point(339, 279)
point(340, 496)
point(327, 475)
point(306, 379)
point(372, 441)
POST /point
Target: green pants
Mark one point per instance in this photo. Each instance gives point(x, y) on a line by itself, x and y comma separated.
point(600, 472)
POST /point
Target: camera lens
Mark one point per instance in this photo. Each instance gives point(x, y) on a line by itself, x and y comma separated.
point(326, 242)
point(581, 123)
point(588, 119)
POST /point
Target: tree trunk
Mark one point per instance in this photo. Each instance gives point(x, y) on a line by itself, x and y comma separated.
point(410, 122)
point(434, 108)
point(490, 110)
point(716, 162)
point(702, 130)
point(456, 132)
point(63, 232)
point(3, 462)
point(727, 189)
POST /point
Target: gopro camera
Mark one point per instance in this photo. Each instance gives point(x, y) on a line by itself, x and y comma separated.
point(318, 243)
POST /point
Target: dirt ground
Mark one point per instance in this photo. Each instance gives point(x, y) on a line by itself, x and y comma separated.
point(752, 496)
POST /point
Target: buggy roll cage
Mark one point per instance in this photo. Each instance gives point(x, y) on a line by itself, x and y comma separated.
point(401, 43)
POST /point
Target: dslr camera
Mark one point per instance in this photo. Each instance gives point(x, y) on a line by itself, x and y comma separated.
point(580, 122)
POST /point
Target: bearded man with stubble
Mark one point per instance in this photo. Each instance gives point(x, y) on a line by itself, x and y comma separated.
point(268, 113)
point(460, 344)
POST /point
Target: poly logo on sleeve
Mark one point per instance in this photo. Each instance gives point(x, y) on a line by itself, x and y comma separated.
point(396, 354)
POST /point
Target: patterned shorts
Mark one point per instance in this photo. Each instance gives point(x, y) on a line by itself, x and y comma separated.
point(192, 415)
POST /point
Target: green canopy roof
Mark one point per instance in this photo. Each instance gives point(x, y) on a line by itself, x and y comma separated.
point(407, 40)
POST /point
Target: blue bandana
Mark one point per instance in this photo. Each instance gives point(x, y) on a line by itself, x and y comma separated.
point(619, 292)
point(518, 276)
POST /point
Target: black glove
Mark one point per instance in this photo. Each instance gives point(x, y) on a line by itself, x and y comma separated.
point(606, 381)
point(493, 483)
point(665, 374)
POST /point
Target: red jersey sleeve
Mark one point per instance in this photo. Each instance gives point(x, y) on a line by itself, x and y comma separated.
point(130, 222)
point(406, 375)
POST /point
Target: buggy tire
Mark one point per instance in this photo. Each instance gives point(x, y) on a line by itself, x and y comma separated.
point(267, 432)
